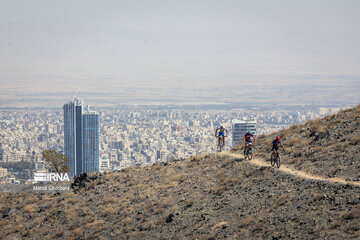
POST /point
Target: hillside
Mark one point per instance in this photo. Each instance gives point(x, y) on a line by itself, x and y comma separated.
point(328, 147)
point(216, 196)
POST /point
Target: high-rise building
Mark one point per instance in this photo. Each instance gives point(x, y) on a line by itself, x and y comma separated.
point(239, 129)
point(81, 137)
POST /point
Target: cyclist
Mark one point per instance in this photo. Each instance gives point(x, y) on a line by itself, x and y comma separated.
point(275, 145)
point(247, 139)
point(223, 132)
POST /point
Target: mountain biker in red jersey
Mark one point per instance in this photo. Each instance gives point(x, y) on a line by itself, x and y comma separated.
point(222, 130)
point(247, 139)
point(275, 145)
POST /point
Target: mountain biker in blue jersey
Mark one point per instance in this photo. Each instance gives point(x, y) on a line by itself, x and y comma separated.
point(247, 139)
point(275, 145)
point(223, 132)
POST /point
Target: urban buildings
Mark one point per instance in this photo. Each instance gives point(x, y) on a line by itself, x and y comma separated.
point(81, 137)
point(132, 135)
point(240, 127)
point(3, 172)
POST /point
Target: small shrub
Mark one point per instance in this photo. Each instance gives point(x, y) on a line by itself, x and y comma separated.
point(30, 208)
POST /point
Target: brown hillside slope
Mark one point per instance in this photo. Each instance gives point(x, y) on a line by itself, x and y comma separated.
point(329, 147)
point(206, 197)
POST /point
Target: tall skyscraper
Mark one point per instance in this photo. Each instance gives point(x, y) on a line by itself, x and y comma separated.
point(81, 137)
point(239, 128)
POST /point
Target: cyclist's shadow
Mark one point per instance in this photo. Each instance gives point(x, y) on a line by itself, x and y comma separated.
point(239, 159)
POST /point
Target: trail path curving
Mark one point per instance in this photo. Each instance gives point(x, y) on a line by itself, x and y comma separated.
point(285, 169)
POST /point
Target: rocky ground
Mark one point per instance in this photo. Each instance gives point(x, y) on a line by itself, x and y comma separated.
point(204, 197)
point(328, 147)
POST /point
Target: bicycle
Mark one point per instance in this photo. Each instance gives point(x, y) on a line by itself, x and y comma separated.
point(275, 159)
point(220, 145)
point(248, 153)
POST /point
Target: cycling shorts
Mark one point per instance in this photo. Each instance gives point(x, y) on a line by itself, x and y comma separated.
point(221, 134)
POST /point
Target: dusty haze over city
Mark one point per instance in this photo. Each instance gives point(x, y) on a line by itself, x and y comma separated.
point(179, 52)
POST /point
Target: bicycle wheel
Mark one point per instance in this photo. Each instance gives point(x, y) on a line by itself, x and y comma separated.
point(278, 161)
point(221, 144)
point(272, 161)
point(250, 154)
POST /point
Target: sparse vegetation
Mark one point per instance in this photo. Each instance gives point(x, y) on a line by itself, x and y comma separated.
point(333, 141)
point(205, 197)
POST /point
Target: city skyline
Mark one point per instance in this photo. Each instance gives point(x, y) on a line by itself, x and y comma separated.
point(135, 136)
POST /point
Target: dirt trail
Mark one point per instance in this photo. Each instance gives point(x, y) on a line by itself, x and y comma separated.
point(288, 170)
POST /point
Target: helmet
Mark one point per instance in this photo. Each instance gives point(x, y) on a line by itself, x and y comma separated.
point(249, 131)
point(277, 138)
point(221, 126)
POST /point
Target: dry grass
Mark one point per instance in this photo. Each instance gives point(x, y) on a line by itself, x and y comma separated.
point(294, 128)
point(279, 202)
point(316, 196)
point(31, 208)
point(355, 140)
point(353, 226)
point(71, 215)
point(227, 180)
point(336, 224)
point(333, 123)
point(247, 221)
point(352, 214)
point(162, 219)
point(189, 202)
point(218, 190)
point(317, 125)
point(340, 147)
point(69, 200)
point(220, 225)
point(148, 225)
point(159, 210)
point(4, 222)
point(108, 211)
point(298, 142)
point(317, 148)
point(166, 201)
point(109, 199)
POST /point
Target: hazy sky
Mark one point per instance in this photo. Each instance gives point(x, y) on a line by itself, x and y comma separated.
point(175, 43)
